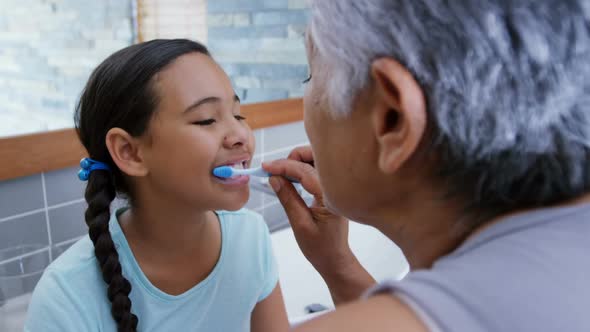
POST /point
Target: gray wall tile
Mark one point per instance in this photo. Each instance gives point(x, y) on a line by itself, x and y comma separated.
point(64, 186)
point(273, 31)
point(282, 136)
point(271, 199)
point(280, 17)
point(31, 229)
point(270, 71)
point(224, 6)
point(50, 60)
point(256, 199)
point(276, 155)
point(21, 195)
point(275, 217)
point(67, 222)
point(32, 266)
point(256, 161)
point(261, 95)
point(258, 139)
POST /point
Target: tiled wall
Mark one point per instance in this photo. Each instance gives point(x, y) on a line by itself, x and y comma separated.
point(45, 212)
point(259, 43)
point(275, 143)
point(47, 50)
point(173, 19)
point(49, 47)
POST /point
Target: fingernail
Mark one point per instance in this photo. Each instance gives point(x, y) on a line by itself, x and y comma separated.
point(275, 184)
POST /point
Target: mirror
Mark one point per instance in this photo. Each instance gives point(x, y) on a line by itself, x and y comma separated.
point(49, 48)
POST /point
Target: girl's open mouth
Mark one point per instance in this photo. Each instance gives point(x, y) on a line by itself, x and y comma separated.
point(237, 179)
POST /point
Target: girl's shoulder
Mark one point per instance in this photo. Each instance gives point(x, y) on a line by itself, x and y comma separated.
point(75, 272)
point(69, 293)
point(79, 255)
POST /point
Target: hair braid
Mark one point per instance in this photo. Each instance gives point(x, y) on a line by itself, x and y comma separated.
point(100, 192)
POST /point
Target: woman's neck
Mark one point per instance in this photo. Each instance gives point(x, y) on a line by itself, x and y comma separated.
point(432, 230)
point(424, 232)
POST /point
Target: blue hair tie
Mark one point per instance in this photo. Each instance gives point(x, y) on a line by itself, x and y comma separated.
point(88, 166)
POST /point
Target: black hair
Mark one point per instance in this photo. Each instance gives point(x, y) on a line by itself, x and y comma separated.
point(119, 94)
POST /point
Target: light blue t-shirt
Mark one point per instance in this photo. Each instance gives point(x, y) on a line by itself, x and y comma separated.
point(71, 296)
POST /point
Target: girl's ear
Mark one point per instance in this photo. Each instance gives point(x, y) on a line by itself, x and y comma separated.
point(126, 152)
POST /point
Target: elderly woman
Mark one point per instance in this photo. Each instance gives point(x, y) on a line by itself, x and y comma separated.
point(461, 130)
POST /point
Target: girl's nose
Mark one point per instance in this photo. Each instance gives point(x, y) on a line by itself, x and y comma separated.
point(236, 135)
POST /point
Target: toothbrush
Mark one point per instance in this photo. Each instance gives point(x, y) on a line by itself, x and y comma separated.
point(228, 172)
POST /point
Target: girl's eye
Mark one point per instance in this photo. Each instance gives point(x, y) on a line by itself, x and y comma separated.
point(240, 118)
point(205, 122)
point(307, 79)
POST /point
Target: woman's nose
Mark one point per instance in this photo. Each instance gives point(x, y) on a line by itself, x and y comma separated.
point(236, 135)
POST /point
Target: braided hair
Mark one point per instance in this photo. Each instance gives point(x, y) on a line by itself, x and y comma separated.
point(119, 94)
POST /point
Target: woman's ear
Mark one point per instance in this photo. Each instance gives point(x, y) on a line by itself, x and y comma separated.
point(398, 115)
point(126, 152)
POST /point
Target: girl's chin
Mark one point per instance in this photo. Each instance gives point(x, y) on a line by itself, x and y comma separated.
point(236, 204)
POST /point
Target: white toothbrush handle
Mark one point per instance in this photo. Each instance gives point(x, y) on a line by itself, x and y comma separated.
point(252, 171)
point(258, 172)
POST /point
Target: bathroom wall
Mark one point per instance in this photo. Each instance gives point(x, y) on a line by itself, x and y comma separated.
point(260, 45)
point(47, 210)
point(47, 50)
point(49, 47)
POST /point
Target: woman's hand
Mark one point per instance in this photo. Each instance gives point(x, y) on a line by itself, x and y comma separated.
point(321, 235)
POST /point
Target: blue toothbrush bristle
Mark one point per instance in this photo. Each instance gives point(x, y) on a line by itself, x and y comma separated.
point(223, 172)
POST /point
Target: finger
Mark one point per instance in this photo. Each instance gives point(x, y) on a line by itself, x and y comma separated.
point(298, 213)
point(303, 173)
point(302, 153)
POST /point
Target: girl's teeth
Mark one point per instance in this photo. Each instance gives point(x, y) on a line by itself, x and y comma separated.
point(238, 166)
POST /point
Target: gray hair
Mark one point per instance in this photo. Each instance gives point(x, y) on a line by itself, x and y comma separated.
point(507, 84)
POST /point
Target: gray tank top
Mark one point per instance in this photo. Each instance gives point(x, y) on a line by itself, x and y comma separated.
point(529, 272)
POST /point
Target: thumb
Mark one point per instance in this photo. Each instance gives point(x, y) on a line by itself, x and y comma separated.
point(297, 211)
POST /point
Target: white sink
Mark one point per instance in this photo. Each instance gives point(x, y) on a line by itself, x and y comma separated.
point(302, 285)
point(13, 314)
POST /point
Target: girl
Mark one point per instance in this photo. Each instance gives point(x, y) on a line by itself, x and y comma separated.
point(156, 118)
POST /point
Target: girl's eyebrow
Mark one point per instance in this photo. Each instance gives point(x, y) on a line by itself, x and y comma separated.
point(208, 100)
